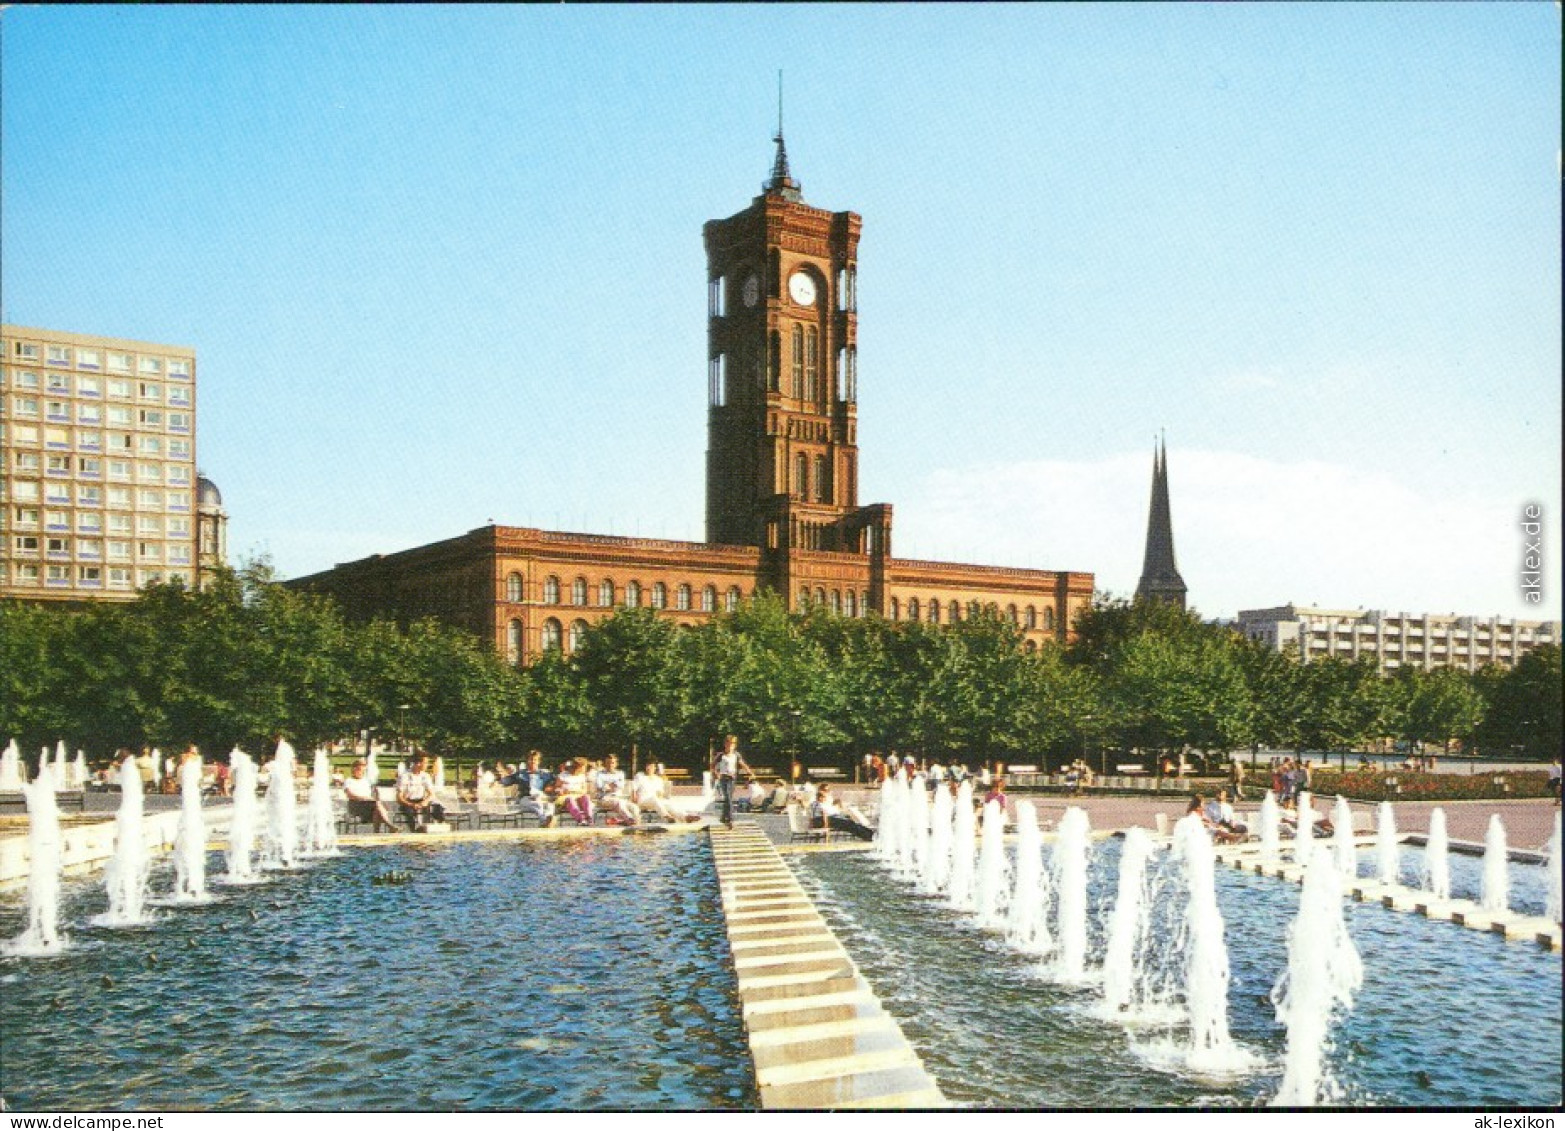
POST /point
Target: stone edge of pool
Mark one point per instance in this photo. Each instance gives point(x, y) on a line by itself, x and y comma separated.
point(819, 1037)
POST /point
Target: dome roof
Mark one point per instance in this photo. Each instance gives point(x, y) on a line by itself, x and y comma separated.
point(207, 494)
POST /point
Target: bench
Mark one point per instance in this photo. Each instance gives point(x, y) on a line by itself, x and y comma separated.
point(799, 826)
point(17, 802)
point(1021, 770)
point(824, 773)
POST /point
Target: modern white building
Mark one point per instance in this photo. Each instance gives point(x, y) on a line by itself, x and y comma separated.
point(1425, 640)
point(97, 465)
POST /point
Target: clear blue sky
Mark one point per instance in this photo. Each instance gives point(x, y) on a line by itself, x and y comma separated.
point(443, 265)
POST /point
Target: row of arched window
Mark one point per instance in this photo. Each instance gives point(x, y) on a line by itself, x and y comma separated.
point(931, 610)
point(633, 594)
point(551, 637)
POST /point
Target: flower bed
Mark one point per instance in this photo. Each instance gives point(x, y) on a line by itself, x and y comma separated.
point(1372, 785)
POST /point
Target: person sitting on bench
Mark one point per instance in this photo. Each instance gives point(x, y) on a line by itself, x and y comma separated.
point(363, 800)
point(416, 796)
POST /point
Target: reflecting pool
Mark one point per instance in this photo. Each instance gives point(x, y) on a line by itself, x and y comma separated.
point(567, 975)
point(1446, 1016)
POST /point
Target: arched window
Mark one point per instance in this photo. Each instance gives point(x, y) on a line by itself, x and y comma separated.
point(1032, 617)
point(732, 598)
point(1048, 618)
point(579, 591)
point(513, 642)
point(972, 609)
point(820, 597)
point(852, 607)
point(709, 599)
point(801, 476)
point(934, 610)
point(836, 602)
point(895, 608)
point(659, 595)
point(513, 588)
point(804, 596)
point(551, 635)
point(955, 610)
point(605, 593)
point(578, 633)
point(1032, 647)
point(1012, 615)
point(682, 598)
point(798, 362)
point(632, 594)
point(551, 590)
point(820, 480)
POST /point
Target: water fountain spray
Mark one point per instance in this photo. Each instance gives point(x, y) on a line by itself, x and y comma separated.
point(125, 875)
point(1324, 972)
point(1496, 868)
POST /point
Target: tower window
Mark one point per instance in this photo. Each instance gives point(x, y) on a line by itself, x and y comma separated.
point(798, 362)
point(812, 349)
point(716, 381)
point(801, 476)
point(822, 490)
point(774, 362)
point(717, 296)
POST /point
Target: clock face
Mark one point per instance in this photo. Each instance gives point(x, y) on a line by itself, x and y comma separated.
point(801, 288)
point(752, 291)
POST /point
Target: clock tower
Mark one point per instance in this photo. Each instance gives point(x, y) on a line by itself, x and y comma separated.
point(782, 451)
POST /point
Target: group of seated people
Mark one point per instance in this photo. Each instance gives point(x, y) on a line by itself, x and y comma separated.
point(1078, 776)
point(1288, 819)
point(1218, 818)
point(416, 800)
point(580, 790)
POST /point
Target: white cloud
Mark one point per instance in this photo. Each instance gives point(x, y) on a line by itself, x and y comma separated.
point(1249, 532)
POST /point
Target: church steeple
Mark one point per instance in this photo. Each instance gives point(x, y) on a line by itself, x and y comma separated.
point(1160, 580)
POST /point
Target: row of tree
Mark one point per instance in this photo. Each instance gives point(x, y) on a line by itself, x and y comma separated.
point(247, 659)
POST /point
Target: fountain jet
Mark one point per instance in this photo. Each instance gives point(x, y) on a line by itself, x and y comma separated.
point(42, 936)
point(1387, 851)
point(1437, 866)
point(190, 841)
point(1496, 868)
point(125, 875)
point(1324, 972)
point(1027, 924)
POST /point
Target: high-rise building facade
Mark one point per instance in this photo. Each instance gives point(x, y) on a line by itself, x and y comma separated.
point(98, 480)
point(1394, 640)
point(782, 509)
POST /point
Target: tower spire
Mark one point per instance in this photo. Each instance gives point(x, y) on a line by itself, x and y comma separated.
point(781, 181)
point(1160, 580)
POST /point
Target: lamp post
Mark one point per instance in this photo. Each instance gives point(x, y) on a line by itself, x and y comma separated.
point(402, 719)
